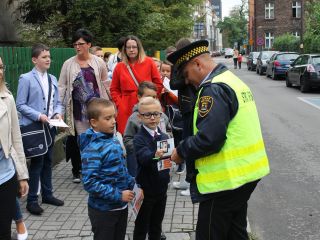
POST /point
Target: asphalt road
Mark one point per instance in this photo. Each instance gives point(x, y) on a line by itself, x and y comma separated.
point(286, 203)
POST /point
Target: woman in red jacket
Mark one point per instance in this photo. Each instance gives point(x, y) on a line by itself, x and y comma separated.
point(124, 87)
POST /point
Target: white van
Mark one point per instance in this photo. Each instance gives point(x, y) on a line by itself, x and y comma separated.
point(229, 53)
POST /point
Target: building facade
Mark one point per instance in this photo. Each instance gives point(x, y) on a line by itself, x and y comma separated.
point(271, 18)
point(205, 24)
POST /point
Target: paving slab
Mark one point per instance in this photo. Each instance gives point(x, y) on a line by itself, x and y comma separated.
point(71, 221)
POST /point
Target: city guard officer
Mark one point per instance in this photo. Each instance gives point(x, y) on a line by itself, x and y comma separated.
point(226, 148)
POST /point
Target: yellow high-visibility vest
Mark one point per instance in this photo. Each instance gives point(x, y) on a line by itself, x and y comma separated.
point(243, 158)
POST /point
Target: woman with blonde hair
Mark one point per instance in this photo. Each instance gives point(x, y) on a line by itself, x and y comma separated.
point(135, 68)
point(13, 167)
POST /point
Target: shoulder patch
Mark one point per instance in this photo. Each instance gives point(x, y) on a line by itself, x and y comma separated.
point(205, 105)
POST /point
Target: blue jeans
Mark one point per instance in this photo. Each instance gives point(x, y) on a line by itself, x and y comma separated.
point(18, 215)
point(41, 169)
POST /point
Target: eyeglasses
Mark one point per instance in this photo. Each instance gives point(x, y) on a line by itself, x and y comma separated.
point(3, 67)
point(148, 115)
point(78, 44)
point(131, 47)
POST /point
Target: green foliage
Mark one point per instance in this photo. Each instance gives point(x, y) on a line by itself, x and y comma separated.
point(286, 42)
point(311, 38)
point(234, 28)
point(159, 23)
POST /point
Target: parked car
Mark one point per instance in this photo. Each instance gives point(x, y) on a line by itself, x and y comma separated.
point(279, 63)
point(262, 61)
point(252, 61)
point(228, 53)
point(304, 72)
point(215, 53)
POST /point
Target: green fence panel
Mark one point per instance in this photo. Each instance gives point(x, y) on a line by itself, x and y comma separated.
point(18, 61)
point(163, 55)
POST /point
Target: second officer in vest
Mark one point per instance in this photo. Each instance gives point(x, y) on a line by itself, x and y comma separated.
point(226, 149)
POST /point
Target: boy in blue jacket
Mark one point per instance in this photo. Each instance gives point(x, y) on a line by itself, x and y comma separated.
point(104, 174)
point(154, 182)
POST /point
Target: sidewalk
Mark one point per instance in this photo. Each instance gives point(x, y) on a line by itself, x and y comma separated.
point(71, 220)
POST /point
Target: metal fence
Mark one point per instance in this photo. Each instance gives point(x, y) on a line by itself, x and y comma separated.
point(18, 61)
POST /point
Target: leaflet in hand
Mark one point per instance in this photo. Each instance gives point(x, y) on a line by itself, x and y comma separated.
point(164, 164)
point(167, 146)
point(136, 202)
point(166, 85)
point(58, 123)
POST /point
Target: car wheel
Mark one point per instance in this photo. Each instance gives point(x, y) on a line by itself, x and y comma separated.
point(288, 83)
point(274, 75)
point(303, 86)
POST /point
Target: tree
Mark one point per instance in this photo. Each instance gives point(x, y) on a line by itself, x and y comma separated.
point(159, 23)
point(234, 27)
point(286, 42)
point(311, 38)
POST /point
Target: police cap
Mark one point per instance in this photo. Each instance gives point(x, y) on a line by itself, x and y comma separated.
point(180, 57)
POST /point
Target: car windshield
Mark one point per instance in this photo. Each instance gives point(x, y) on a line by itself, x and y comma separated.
point(289, 56)
point(316, 60)
point(267, 55)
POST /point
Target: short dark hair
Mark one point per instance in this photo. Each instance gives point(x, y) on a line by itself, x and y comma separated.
point(120, 43)
point(146, 84)
point(37, 49)
point(106, 54)
point(94, 107)
point(84, 34)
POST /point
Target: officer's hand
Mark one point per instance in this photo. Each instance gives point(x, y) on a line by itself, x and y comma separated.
point(175, 157)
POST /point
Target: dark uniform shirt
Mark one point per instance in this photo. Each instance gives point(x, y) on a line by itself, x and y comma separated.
point(218, 104)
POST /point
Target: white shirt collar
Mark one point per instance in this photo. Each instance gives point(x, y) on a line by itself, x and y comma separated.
point(205, 79)
point(151, 131)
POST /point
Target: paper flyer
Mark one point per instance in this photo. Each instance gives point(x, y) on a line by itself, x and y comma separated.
point(167, 146)
point(136, 202)
point(166, 85)
point(58, 123)
point(164, 164)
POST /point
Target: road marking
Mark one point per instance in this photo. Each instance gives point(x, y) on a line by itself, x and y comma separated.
point(313, 101)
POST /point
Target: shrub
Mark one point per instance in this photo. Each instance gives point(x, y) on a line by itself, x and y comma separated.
point(286, 43)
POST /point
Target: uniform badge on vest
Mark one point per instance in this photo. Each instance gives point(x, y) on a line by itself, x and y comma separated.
point(205, 105)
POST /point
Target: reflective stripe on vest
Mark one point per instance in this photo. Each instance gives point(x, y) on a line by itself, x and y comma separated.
point(243, 158)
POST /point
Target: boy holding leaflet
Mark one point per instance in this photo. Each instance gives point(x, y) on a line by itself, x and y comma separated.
point(151, 178)
point(104, 174)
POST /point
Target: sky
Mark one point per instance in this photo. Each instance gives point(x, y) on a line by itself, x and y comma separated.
point(227, 6)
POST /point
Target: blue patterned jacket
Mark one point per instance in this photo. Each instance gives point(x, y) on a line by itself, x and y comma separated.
point(104, 174)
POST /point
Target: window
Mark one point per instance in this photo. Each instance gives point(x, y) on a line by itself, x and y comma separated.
point(269, 11)
point(296, 9)
point(269, 38)
point(304, 60)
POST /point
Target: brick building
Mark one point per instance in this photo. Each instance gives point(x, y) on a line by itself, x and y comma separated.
point(271, 18)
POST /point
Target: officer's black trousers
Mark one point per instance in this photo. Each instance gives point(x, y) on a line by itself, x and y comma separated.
point(224, 217)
